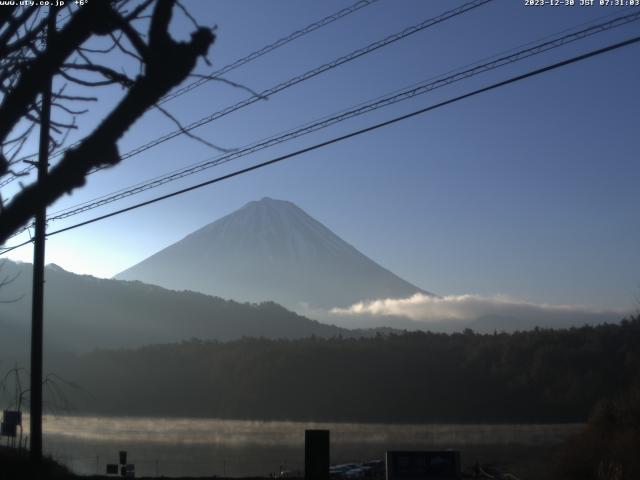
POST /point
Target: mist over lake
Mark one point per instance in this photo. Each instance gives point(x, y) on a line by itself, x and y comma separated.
point(198, 447)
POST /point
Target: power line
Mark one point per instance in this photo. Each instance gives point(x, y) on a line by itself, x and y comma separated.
point(269, 48)
point(377, 126)
point(360, 4)
point(413, 91)
point(14, 247)
point(306, 76)
point(212, 161)
point(298, 79)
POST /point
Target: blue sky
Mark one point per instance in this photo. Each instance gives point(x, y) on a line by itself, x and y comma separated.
point(528, 191)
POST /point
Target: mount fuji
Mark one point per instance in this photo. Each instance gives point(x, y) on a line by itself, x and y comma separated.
point(271, 250)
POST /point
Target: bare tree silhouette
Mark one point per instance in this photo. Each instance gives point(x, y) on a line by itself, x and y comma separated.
point(137, 30)
point(6, 279)
point(56, 387)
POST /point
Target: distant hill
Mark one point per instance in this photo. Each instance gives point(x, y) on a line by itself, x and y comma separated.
point(271, 250)
point(504, 323)
point(83, 312)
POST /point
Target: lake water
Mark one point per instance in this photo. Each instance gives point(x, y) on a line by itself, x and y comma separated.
point(206, 447)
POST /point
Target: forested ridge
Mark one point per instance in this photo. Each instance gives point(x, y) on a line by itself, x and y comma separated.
point(535, 376)
point(84, 313)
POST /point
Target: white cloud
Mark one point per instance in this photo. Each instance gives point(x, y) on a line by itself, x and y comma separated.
point(425, 308)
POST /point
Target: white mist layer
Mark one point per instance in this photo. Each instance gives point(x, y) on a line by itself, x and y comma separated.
point(425, 308)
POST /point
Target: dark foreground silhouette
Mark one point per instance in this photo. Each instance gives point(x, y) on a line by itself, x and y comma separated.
point(609, 445)
point(15, 464)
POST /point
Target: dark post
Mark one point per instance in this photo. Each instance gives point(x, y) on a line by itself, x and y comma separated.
point(316, 454)
point(37, 297)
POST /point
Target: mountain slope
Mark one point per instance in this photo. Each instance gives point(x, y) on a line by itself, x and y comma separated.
point(271, 250)
point(83, 312)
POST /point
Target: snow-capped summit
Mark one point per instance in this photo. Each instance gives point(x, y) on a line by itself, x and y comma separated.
point(270, 250)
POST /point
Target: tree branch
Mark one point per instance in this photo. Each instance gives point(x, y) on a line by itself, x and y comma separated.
point(90, 19)
point(167, 65)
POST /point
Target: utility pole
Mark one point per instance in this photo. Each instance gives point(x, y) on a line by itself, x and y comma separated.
point(37, 297)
